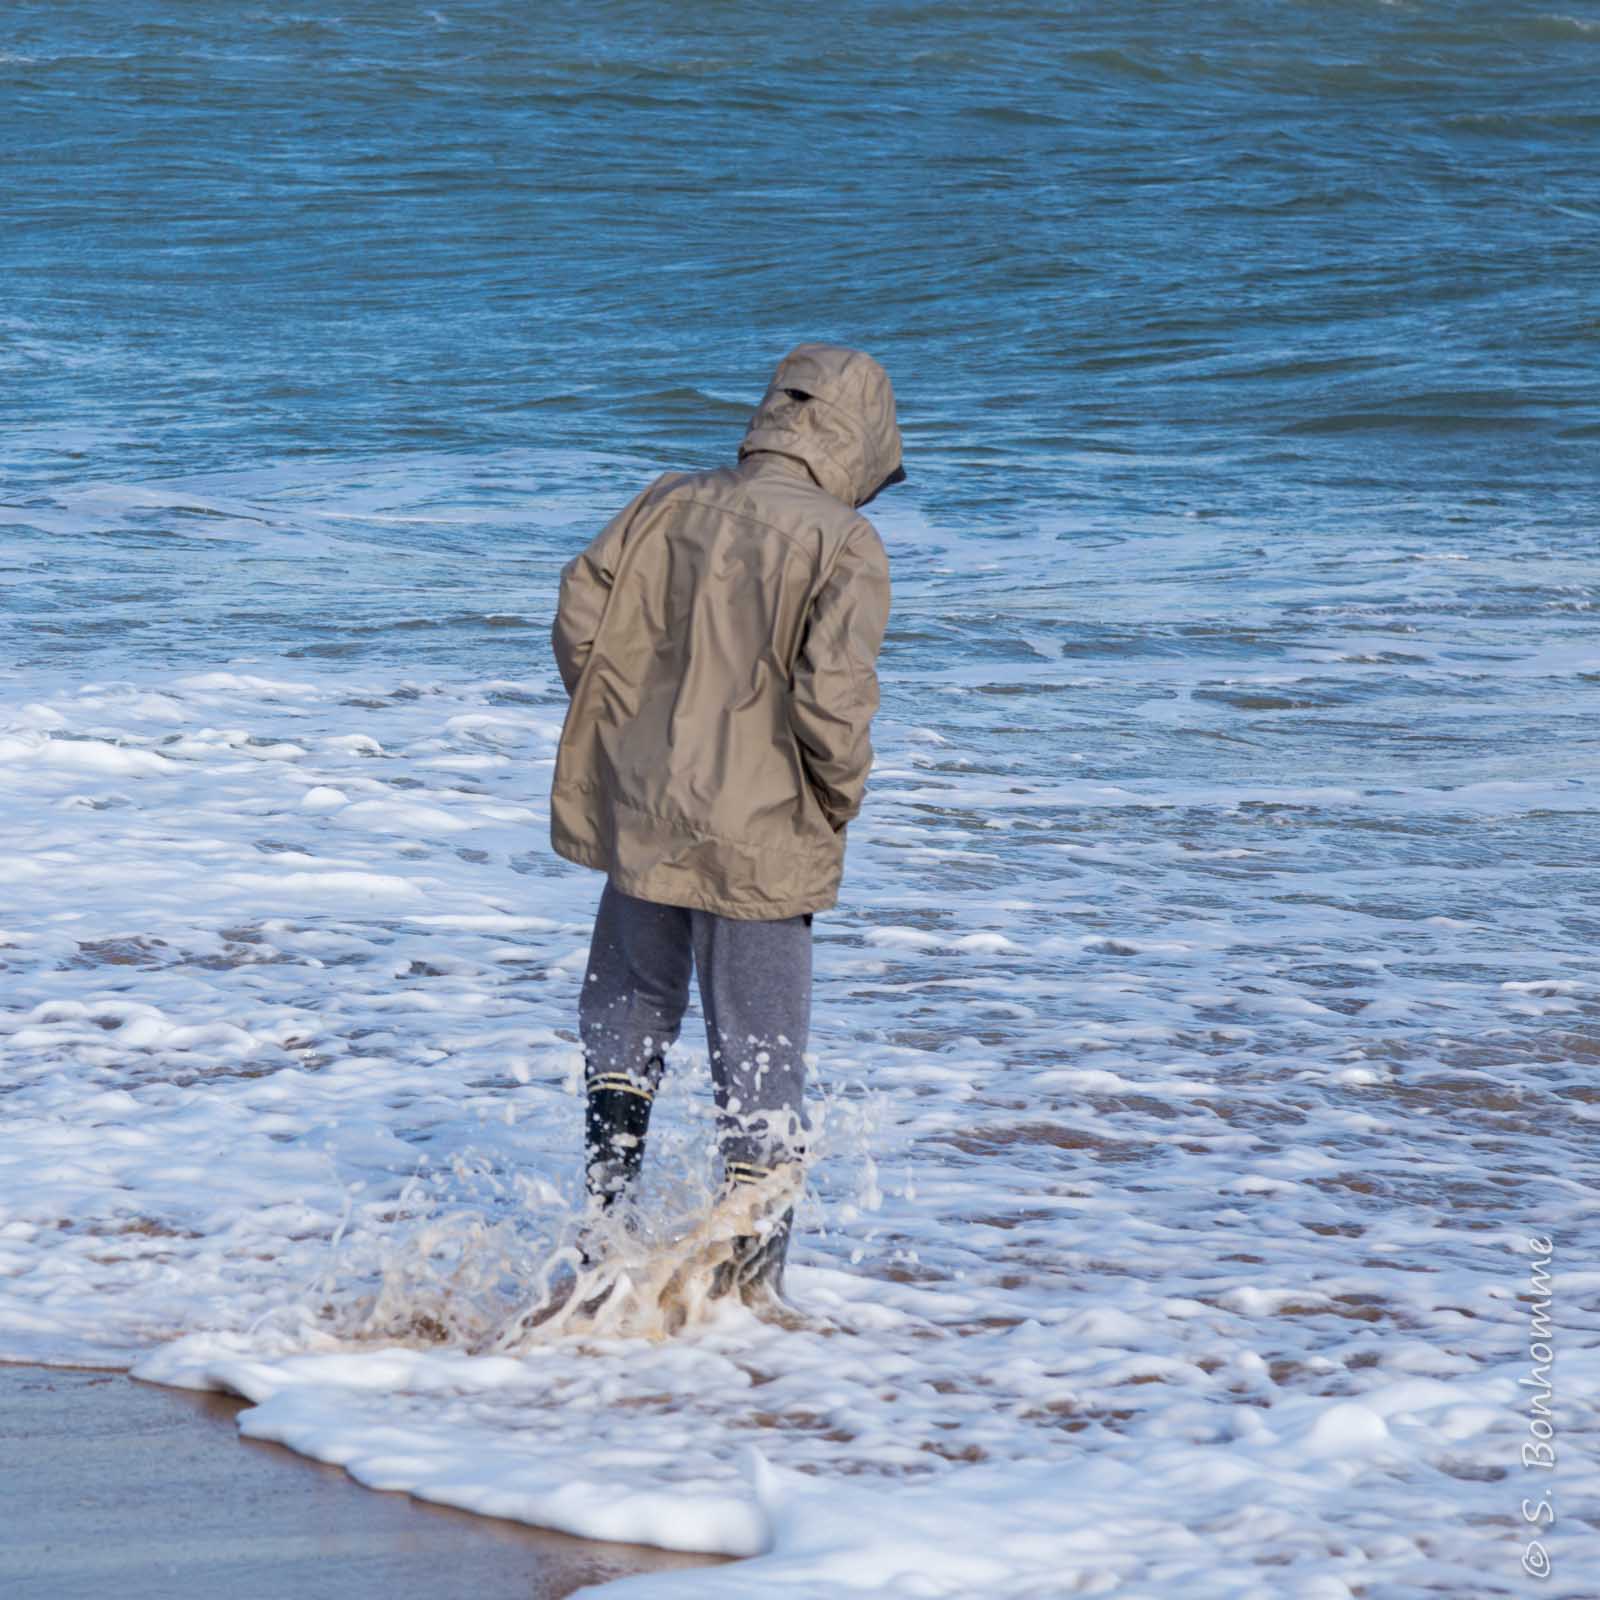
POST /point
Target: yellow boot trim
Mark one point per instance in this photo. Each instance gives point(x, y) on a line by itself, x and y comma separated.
point(620, 1082)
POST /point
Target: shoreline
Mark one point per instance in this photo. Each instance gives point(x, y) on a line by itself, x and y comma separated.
point(112, 1478)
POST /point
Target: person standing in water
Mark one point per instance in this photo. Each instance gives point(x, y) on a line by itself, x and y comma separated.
point(718, 640)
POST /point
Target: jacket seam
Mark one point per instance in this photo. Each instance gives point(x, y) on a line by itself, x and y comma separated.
point(772, 527)
point(824, 577)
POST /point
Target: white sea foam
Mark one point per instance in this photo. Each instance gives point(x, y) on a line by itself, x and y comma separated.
point(1150, 1228)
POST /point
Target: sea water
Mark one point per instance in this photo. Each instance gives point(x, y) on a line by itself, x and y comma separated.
point(1206, 1037)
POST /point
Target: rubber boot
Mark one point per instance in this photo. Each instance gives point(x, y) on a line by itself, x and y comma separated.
point(754, 1268)
point(762, 1262)
point(614, 1126)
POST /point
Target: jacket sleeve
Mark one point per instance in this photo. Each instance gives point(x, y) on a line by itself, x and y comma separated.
point(834, 690)
point(585, 588)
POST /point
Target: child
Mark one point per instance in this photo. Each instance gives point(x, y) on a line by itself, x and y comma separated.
point(718, 640)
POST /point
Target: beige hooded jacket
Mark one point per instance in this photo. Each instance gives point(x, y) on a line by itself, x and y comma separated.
point(718, 640)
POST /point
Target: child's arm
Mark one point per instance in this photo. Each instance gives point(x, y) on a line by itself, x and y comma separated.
point(834, 690)
point(585, 588)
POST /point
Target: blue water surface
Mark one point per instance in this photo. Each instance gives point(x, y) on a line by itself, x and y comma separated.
point(1283, 260)
point(1225, 336)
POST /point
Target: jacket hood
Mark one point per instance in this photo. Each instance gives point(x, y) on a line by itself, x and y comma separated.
point(833, 409)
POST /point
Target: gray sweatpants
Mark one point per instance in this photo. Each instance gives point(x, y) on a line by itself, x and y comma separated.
point(755, 990)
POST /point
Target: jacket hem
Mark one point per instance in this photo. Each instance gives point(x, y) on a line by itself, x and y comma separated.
point(638, 885)
point(577, 786)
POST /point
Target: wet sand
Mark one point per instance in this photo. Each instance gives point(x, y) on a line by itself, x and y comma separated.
point(120, 1489)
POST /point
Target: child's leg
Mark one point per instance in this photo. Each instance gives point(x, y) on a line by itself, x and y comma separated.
point(634, 994)
point(755, 988)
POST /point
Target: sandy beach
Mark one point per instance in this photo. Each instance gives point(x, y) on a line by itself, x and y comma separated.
point(111, 1485)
